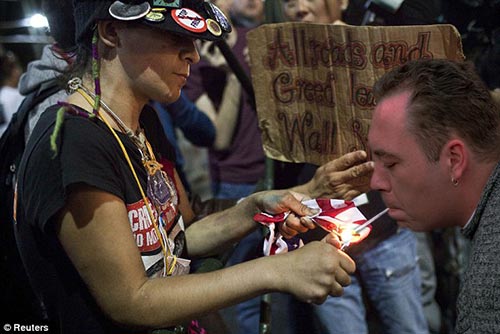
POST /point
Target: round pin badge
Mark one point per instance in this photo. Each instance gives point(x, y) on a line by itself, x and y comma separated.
point(155, 16)
point(220, 17)
point(214, 27)
point(127, 12)
point(189, 20)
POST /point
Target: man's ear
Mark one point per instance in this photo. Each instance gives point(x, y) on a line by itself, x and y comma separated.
point(108, 34)
point(457, 157)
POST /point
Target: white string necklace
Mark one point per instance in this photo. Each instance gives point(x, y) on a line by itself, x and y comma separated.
point(138, 137)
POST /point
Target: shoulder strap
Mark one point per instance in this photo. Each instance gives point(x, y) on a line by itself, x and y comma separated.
point(18, 295)
point(2, 114)
point(20, 118)
point(12, 141)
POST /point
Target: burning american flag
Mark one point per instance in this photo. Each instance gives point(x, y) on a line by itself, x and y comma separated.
point(340, 217)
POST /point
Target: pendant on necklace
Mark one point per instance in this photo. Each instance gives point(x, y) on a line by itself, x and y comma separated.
point(160, 189)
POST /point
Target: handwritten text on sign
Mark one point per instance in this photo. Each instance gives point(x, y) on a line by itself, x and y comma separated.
point(313, 83)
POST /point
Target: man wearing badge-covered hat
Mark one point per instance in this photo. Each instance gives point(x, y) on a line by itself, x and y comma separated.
point(103, 224)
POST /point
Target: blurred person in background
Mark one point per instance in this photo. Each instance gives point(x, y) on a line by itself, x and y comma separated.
point(10, 98)
point(393, 13)
point(53, 64)
point(246, 13)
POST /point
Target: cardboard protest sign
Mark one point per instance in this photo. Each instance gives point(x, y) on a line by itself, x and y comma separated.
point(313, 82)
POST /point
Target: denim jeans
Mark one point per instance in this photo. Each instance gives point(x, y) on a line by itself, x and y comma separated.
point(390, 277)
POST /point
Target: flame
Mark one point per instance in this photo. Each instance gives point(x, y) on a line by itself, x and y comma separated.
point(348, 235)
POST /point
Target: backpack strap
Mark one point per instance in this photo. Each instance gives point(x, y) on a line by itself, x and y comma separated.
point(2, 115)
point(12, 144)
point(18, 297)
point(12, 140)
point(29, 103)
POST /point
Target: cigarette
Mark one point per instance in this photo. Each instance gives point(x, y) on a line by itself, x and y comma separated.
point(371, 220)
point(358, 229)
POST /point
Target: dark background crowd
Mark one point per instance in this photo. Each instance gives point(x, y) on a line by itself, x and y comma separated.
point(477, 21)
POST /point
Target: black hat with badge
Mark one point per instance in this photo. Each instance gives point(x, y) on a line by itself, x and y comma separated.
point(198, 19)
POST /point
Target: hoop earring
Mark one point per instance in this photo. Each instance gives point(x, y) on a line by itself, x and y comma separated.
point(454, 181)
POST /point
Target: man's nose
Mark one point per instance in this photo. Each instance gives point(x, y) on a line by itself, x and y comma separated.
point(378, 180)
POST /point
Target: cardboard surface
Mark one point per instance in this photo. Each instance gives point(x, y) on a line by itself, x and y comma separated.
point(313, 82)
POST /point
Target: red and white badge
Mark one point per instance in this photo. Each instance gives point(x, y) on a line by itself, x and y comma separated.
point(189, 20)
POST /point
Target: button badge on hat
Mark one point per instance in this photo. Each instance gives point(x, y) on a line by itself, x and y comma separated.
point(167, 3)
point(219, 16)
point(189, 20)
point(156, 15)
point(214, 27)
point(129, 11)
